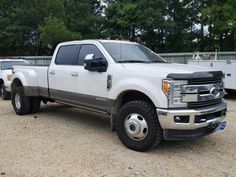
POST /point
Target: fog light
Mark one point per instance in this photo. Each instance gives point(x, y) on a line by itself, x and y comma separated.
point(181, 119)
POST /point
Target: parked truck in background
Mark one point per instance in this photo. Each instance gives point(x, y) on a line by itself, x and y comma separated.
point(228, 67)
point(146, 98)
point(6, 66)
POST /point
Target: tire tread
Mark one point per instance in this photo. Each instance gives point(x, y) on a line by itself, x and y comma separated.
point(150, 110)
point(25, 102)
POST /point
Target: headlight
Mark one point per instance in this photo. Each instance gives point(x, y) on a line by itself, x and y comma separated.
point(9, 77)
point(172, 90)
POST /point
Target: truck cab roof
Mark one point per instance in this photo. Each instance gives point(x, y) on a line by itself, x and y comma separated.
point(12, 60)
point(95, 41)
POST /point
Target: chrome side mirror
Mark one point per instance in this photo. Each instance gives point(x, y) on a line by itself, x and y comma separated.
point(95, 64)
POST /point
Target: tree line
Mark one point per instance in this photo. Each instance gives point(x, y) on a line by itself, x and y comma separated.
point(35, 27)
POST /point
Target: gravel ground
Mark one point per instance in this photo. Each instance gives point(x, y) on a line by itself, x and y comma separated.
point(63, 141)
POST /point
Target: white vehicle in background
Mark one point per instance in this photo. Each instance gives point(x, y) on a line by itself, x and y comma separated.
point(228, 67)
point(6, 66)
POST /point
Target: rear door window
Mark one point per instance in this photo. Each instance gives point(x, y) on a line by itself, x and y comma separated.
point(67, 55)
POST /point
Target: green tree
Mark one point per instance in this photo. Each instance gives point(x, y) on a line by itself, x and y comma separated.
point(84, 16)
point(24, 18)
point(140, 21)
point(54, 31)
point(121, 19)
point(180, 18)
point(28, 27)
point(218, 15)
point(151, 22)
point(8, 32)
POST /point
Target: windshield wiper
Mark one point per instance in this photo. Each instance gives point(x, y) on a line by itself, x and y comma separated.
point(159, 62)
point(7, 68)
point(133, 61)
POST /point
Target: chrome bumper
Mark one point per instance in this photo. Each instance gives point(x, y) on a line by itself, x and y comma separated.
point(166, 117)
point(8, 86)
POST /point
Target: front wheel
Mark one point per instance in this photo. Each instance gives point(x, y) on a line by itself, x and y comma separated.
point(20, 102)
point(138, 127)
point(4, 94)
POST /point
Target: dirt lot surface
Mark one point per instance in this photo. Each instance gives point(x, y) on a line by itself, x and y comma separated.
point(63, 141)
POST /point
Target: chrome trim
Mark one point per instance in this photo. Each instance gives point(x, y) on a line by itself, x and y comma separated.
point(17, 101)
point(192, 93)
point(8, 88)
point(186, 98)
point(166, 117)
point(180, 93)
point(74, 74)
point(189, 98)
point(174, 97)
point(200, 88)
point(136, 126)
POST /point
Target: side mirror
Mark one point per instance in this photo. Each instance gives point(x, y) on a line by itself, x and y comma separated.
point(95, 64)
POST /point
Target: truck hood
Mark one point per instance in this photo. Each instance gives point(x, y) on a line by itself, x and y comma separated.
point(7, 71)
point(164, 69)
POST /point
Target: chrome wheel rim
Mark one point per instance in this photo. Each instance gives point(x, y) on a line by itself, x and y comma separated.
point(17, 101)
point(136, 126)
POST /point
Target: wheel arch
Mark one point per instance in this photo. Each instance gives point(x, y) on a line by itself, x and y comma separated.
point(131, 95)
point(1, 81)
point(16, 83)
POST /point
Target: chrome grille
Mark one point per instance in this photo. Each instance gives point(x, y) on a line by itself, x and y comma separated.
point(205, 80)
point(204, 103)
point(203, 93)
point(206, 117)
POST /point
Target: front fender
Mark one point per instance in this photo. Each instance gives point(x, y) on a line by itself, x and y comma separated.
point(153, 91)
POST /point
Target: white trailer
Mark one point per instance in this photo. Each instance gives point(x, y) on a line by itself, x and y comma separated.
point(228, 67)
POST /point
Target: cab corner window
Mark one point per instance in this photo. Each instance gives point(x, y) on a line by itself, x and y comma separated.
point(67, 55)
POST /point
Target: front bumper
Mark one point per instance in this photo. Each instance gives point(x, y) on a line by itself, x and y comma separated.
point(191, 128)
point(8, 86)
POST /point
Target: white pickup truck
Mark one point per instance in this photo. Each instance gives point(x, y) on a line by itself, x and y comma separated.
point(146, 98)
point(6, 75)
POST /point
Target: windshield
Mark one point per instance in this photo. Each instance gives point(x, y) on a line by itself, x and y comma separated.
point(9, 64)
point(131, 53)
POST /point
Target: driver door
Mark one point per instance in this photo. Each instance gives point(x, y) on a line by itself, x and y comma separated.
point(92, 85)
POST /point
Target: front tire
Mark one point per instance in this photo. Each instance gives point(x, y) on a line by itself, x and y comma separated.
point(4, 94)
point(138, 127)
point(20, 102)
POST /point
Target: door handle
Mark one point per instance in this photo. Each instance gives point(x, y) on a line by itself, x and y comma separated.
point(74, 74)
point(52, 72)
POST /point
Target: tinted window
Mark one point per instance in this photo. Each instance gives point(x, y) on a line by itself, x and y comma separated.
point(88, 49)
point(67, 55)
